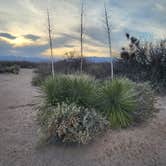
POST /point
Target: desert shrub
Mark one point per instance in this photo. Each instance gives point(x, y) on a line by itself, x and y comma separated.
point(122, 101)
point(14, 69)
point(9, 69)
point(70, 123)
point(42, 72)
point(37, 80)
point(79, 89)
point(148, 61)
point(116, 100)
point(22, 64)
point(145, 102)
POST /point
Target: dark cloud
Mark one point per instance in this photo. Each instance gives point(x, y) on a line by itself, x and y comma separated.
point(32, 37)
point(5, 48)
point(69, 45)
point(31, 50)
point(97, 34)
point(7, 35)
point(64, 40)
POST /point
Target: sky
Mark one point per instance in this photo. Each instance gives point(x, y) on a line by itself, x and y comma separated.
point(24, 33)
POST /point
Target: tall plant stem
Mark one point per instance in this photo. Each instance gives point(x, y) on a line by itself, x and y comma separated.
point(109, 40)
point(81, 39)
point(50, 44)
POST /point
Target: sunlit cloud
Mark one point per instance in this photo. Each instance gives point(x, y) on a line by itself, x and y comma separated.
point(89, 51)
point(21, 41)
point(7, 36)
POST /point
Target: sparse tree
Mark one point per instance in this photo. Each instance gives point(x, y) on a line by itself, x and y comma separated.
point(109, 39)
point(50, 43)
point(71, 55)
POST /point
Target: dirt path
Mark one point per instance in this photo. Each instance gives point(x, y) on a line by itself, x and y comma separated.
point(141, 146)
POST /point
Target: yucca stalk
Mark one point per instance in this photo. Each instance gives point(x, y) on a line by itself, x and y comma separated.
point(81, 39)
point(50, 43)
point(109, 39)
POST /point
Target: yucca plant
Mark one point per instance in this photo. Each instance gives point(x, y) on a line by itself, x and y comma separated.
point(116, 100)
point(79, 89)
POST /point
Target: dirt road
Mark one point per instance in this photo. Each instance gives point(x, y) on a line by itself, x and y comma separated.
point(139, 146)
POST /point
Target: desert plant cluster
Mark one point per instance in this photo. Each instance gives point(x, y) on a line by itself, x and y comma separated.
point(147, 60)
point(14, 66)
point(77, 107)
point(9, 68)
point(70, 123)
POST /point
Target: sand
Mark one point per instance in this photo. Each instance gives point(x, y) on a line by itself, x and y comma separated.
point(144, 145)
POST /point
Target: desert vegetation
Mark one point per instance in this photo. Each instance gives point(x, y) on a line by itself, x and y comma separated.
point(14, 67)
point(94, 99)
point(78, 107)
point(9, 69)
point(147, 60)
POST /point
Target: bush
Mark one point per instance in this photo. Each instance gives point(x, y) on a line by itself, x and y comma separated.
point(42, 72)
point(10, 69)
point(70, 123)
point(37, 80)
point(147, 61)
point(79, 89)
point(116, 99)
point(121, 101)
point(145, 102)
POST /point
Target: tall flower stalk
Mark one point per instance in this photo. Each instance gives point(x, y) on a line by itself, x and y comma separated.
point(50, 43)
point(109, 40)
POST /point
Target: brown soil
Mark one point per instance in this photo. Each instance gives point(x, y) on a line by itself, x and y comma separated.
point(138, 146)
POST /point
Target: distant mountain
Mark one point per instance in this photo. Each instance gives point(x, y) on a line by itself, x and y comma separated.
point(46, 59)
point(101, 59)
point(28, 59)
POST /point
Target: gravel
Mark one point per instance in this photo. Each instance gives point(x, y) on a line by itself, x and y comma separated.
point(143, 145)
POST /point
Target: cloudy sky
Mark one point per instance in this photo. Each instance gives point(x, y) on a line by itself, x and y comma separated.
point(23, 25)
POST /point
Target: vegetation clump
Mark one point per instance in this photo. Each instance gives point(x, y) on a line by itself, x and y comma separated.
point(147, 61)
point(78, 107)
point(9, 69)
point(79, 89)
point(145, 102)
point(116, 99)
point(70, 123)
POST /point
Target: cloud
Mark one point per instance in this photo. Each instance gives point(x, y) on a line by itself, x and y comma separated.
point(64, 39)
point(7, 35)
point(141, 19)
point(5, 48)
point(32, 37)
point(30, 51)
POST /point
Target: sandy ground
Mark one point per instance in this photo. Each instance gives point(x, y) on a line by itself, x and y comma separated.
point(140, 146)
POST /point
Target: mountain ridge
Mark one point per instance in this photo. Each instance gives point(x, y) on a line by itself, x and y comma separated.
point(46, 59)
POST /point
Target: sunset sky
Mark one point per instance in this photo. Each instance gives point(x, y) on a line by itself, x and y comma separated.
point(23, 25)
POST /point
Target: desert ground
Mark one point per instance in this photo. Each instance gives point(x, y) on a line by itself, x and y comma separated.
point(144, 145)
